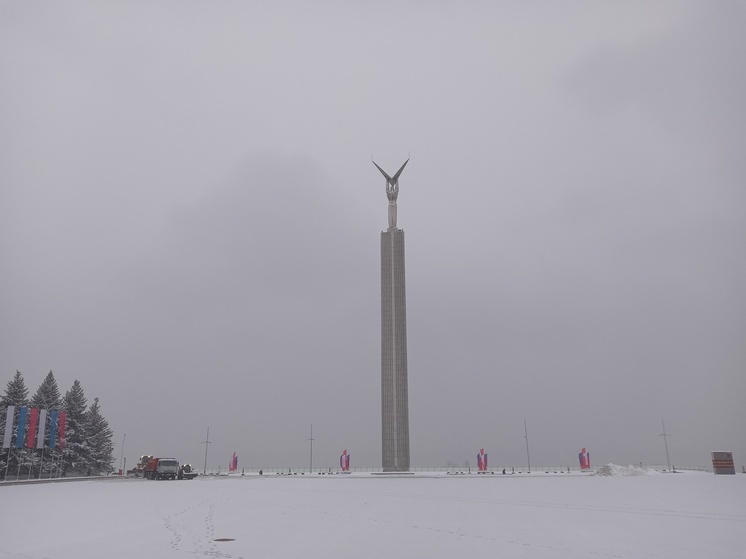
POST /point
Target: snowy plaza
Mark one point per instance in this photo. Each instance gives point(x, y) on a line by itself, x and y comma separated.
point(630, 513)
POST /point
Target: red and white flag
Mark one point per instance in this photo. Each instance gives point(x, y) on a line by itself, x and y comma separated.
point(585, 460)
point(482, 460)
point(344, 462)
point(31, 438)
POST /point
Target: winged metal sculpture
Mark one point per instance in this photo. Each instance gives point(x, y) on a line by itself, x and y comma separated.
point(392, 191)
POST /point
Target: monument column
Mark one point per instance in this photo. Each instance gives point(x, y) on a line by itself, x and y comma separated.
point(394, 383)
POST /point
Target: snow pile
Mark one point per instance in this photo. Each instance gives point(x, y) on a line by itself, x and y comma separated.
point(616, 470)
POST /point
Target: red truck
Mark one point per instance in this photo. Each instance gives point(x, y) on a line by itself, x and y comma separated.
point(161, 468)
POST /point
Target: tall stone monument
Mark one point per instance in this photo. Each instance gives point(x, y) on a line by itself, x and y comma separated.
point(394, 391)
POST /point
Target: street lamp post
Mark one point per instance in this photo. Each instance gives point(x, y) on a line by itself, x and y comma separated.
point(310, 470)
point(121, 457)
point(206, 442)
point(665, 440)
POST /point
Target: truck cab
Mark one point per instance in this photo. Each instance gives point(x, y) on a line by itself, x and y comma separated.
point(162, 468)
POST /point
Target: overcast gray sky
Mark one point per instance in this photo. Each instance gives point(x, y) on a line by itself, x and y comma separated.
point(190, 220)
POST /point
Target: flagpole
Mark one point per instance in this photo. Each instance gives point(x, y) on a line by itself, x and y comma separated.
point(7, 463)
point(41, 464)
point(31, 469)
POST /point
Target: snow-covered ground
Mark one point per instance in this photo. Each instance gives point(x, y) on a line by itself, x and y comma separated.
point(623, 514)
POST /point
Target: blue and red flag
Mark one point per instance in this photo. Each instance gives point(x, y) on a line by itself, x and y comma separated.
point(344, 462)
point(585, 460)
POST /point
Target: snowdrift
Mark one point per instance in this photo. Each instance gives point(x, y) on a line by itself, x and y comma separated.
point(616, 470)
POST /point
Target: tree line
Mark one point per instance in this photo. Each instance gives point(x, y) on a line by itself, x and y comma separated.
point(87, 449)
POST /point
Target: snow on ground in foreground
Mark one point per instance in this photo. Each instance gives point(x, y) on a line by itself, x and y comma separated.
point(682, 516)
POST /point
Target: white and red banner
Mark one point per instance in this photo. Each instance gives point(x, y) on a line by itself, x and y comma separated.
point(482, 460)
point(233, 466)
point(585, 460)
point(344, 462)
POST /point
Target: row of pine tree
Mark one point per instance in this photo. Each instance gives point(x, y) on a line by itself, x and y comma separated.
point(88, 439)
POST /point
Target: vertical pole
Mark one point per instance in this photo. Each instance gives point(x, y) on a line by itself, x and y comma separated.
point(121, 456)
point(528, 457)
point(665, 440)
point(206, 442)
point(41, 464)
point(7, 463)
point(310, 470)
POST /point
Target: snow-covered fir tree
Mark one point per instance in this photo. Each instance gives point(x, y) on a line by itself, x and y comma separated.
point(100, 446)
point(16, 394)
point(47, 397)
point(75, 453)
point(88, 439)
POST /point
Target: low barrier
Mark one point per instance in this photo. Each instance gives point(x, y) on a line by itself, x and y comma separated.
point(465, 469)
